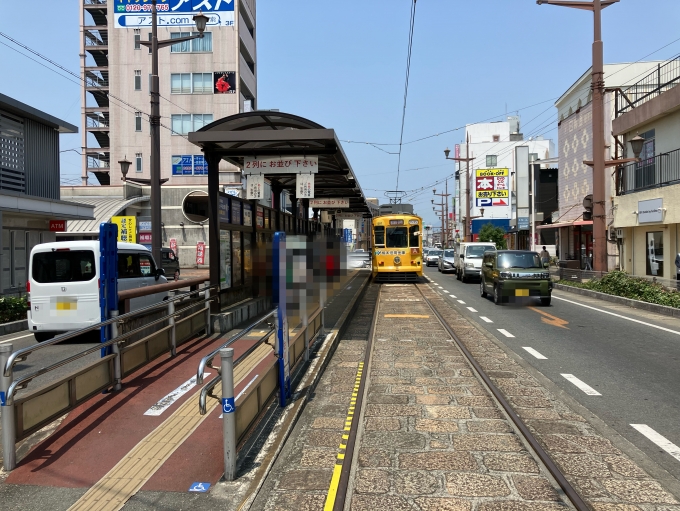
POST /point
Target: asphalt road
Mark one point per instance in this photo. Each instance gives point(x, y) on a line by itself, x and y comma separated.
point(627, 356)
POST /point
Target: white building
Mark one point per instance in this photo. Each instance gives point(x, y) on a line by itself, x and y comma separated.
point(492, 145)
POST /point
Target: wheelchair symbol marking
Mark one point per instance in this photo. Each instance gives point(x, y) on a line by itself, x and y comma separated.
point(228, 405)
point(199, 487)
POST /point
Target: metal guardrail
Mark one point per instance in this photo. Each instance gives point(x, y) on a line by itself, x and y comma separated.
point(22, 417)
point(663, 78)
point(662, 169)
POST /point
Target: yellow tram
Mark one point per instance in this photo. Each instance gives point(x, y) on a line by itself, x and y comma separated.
point(397, 248)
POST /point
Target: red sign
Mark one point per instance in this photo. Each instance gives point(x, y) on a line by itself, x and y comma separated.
point(58, 225)
point(173, 245)
point(200, 252)
point(145, 237)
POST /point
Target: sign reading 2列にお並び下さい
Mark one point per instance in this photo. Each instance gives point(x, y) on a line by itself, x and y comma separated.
point(173, 13)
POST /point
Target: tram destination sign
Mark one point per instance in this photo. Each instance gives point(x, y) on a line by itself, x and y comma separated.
point(329, 203)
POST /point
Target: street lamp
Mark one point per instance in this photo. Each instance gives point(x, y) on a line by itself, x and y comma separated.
point(636, 145)
point(124, 167)
point(155, 120)
point(598, 163)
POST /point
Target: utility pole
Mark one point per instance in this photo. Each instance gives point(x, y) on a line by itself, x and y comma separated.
point(598, 162)
point(444, 204)
point(466, 224)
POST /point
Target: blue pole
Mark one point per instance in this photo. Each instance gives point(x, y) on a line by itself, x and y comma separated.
point(279, 300)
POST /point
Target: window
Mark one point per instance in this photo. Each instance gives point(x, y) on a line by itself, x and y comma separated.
point(138, 121)
point(379, 235)
point(184, 123)
point(191, 83)
point(138, 162)
point(138, 38)
point(63, 266)
point(128, 266)
point(496, 138)
point(655, 253)
point(146, 266)
point(491, 160)
point(413, 236)
point(138, 79)
point(203, 44)
point(519, 260)
point(397, 237)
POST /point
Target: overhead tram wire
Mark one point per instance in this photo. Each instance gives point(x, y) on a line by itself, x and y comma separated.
point(408, 73)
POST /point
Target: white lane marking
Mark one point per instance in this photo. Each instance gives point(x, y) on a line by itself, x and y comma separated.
point(659, 440)
point(439, 286)
point(471, 309)
point(505, 332)
point(484, 318)
point(243, 391)
point(534, 353)
point(461, 301)
point(168, 400)
point(452, 295)
point(581, 385)
point(15, 338)
point(676, 332)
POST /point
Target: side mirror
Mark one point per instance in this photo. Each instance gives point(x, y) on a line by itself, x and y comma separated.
point(462, 256)
point(546, 265)
point(159, 272)
point(488, 265)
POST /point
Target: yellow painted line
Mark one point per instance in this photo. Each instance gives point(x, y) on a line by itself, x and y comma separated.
point(417, 316)
point(125, 479)
point(337, 469)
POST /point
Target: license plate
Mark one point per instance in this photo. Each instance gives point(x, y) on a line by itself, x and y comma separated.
point(521, 292)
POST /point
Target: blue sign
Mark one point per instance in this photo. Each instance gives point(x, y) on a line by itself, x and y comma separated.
point(228, 405)
point(2, 398)
point(523, 223)
point(200, 165)
point(187, 165)
point(199, 487)
point(236, 212)
point(173, 13)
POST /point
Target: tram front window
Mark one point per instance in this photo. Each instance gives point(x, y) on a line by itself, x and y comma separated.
point(413, 236)
point(397, 237)
point(379, 234)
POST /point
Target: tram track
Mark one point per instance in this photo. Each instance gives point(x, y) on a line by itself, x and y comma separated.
point(346, 457)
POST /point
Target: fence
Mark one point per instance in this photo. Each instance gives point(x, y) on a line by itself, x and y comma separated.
point(663, 169)
point(663, 78)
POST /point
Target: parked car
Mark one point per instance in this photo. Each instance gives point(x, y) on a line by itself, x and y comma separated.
point(510, 274)
point(170, 262)
point(469, 258)
point(447, 261)
point(64, 279)
point(432, 257)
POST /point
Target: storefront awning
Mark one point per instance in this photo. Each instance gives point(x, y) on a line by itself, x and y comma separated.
point(104, 209)
point(576, 223)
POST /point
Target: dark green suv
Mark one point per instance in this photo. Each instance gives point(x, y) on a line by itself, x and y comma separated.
point(515, 273)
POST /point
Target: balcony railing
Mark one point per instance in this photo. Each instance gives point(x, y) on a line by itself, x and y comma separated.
point(663, 78)
point(662, 170)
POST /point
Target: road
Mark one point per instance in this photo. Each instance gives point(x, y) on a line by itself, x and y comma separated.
point(618, 362)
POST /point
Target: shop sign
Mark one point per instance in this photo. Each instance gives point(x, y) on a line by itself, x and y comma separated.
point(255, 187)
point(260, 217)
point(236, 212)
point(304, 186)
point(57, 225)
point(172, 13)
point(223, 209)
point(200, 252)
point(329, 203)
point(127, 227)
point(650, 211)
point(173, 245)
point(523, 223)
point(287, 165)
point(247, 214)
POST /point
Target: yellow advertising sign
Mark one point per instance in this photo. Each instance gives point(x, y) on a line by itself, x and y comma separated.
point(127, 228)
point(493, 172)
point(492, 194)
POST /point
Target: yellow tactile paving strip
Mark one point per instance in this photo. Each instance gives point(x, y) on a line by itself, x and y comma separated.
point(125, 479)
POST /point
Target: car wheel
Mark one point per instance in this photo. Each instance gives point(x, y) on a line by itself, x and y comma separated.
point(176, 274)
point(497, 298)
point(43, 336)
point(546, 301)
point(482, 288)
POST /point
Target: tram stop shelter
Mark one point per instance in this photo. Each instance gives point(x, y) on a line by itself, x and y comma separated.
point(237, 225)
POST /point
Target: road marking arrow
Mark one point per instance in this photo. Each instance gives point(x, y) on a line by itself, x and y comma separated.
point(550, 319)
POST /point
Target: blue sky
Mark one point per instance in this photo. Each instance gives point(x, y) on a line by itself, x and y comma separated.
point(342, 64)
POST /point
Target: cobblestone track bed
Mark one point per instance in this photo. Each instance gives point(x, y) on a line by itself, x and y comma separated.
point(605, 477)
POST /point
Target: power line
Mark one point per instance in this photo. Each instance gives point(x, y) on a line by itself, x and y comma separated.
point(408, 74)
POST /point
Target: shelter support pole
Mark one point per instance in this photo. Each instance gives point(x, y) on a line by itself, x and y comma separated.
point(214, 223)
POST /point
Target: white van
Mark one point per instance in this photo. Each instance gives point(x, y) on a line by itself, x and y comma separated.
point(64, 279)
point(469, 258)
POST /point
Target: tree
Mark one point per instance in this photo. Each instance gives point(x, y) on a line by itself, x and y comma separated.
point(489, 232)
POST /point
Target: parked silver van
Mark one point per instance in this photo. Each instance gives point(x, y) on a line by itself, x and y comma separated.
point(64, 281)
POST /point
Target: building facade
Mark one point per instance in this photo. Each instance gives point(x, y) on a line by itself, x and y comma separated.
point(646, 206)
point(30, 207)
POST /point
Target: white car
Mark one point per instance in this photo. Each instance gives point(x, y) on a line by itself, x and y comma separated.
point(432, 257)
point(64, 282)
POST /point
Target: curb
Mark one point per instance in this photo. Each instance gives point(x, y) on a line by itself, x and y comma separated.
point(635, 304)
point(14, 327)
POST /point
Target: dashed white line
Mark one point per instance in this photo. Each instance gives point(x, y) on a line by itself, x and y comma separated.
point(484, 318)
point(659, 440)
point(471, 309)
point(452, 295)
point(505, 332)
point(461, 301)
point(534, 353)
point(15, 338)
point(581, 385)
point(168, 400)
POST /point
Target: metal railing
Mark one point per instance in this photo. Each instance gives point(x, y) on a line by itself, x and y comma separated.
point(661, 170)
point(105, 373)
point(663, 78)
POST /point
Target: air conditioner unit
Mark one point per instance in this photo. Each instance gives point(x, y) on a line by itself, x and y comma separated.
point(620, 234)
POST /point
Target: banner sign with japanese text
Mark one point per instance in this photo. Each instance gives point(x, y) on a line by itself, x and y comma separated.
point(329, 203)
point(304, 186)
point(275, 165)
point(255, 187)
point(173, 13)
point(127, 228)
point(491, 187)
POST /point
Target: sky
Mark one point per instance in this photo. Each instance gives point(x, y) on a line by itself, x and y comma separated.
point(343, 65)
